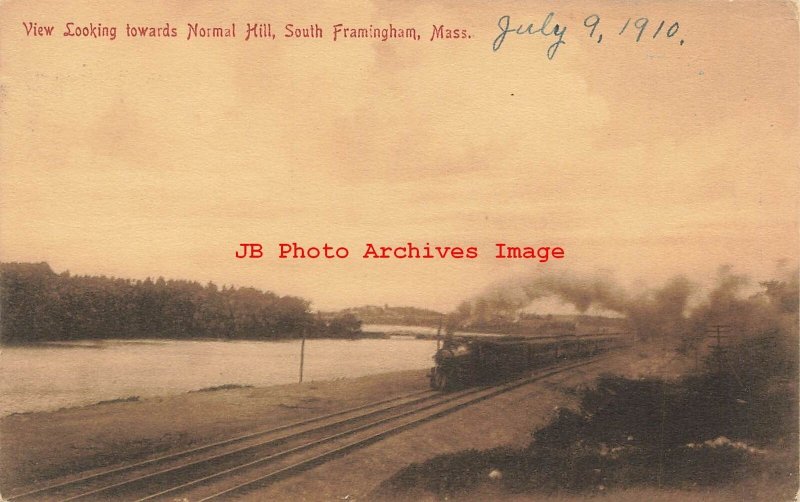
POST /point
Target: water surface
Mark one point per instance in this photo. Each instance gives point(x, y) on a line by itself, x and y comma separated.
point(57, 375)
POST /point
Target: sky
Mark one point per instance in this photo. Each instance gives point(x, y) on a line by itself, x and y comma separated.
point(158, 157)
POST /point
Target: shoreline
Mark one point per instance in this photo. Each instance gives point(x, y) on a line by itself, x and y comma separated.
point(63, 375)
point(43, 448)
point(89, 342)
point(48, 446)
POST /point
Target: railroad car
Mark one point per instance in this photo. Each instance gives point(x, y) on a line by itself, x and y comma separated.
point(479, 360)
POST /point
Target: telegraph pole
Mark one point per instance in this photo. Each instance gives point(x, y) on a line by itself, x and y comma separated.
point(302, 353)
point(719, 331)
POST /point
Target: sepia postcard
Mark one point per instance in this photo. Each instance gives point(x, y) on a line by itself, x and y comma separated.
point(399, 251)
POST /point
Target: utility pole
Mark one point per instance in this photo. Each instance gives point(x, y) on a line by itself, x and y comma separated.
point(302, 353)
point(439, 334)
point(719, 331)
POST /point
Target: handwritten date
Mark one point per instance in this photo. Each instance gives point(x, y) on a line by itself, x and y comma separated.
point(550, 29)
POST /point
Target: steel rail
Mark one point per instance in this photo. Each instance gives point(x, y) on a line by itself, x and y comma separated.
point(486, 393)
point(329, 455)
point(225, 442)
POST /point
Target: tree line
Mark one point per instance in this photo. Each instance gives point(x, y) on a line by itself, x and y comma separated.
point(36, 304)
point(402, 316)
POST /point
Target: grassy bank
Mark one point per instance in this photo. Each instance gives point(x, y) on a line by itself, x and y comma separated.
point(46, 446)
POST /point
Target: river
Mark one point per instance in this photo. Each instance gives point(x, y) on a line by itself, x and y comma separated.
point(59, 375)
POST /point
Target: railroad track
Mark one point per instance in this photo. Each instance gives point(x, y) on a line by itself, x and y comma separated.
point(228, 468)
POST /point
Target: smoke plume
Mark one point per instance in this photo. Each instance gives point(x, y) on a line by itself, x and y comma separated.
point(658, 313)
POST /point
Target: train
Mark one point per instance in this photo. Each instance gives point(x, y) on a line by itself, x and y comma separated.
point(466, 361)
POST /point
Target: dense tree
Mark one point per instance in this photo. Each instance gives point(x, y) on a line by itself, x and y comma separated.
point(344, 326)
point(38, 305)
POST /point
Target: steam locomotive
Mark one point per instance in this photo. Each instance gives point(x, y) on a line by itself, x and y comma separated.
point(466, 361)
